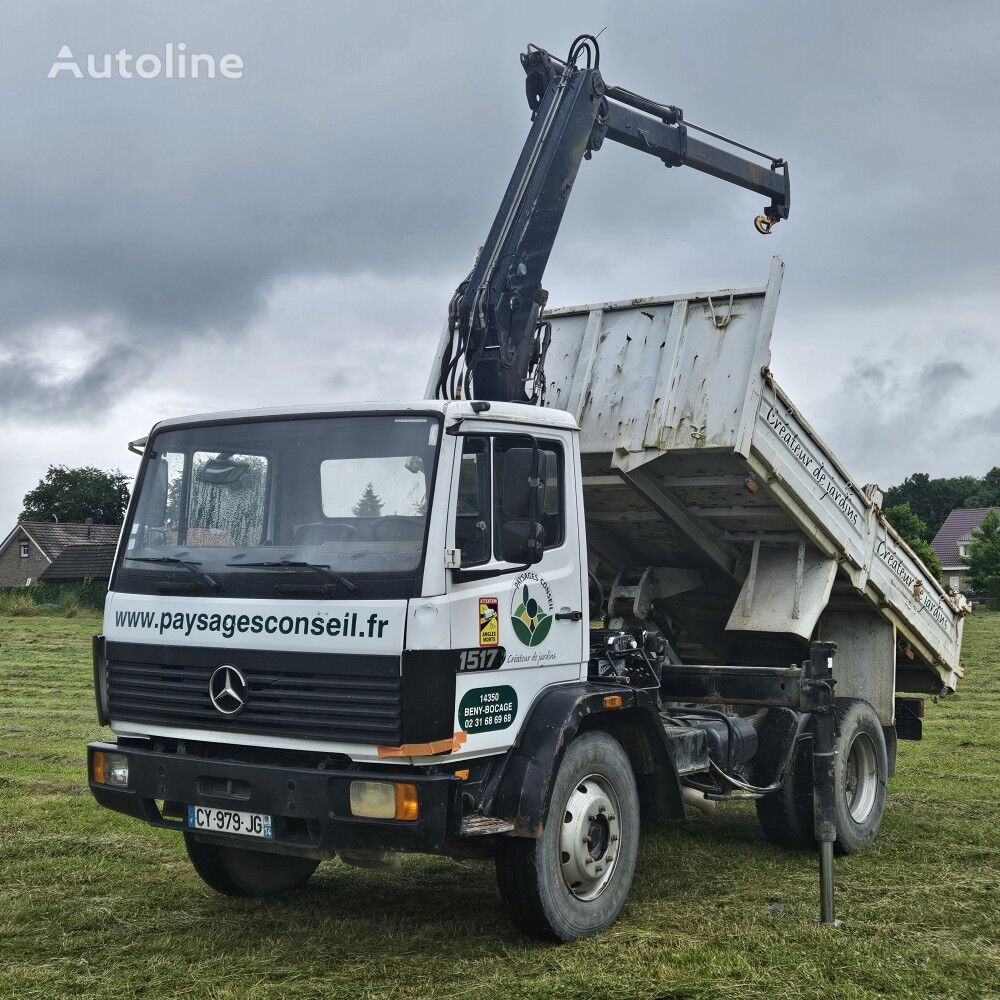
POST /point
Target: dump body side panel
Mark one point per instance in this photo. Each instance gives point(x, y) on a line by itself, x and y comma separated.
point(693, 455)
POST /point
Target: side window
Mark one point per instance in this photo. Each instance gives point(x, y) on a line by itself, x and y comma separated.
point(158, 517)
point(168, 518)
point(552, 513)
point(472, 515)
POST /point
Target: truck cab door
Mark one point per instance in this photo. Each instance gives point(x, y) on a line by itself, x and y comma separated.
point(518, 628)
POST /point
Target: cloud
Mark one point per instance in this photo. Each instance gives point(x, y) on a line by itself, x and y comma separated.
point(893, 416)
point(158, 233)
point(941, 376)
point(52, 374)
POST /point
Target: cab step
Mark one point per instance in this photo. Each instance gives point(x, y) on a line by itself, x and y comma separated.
point(484, 826)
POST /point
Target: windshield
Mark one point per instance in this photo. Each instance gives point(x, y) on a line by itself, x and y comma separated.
point(327, 506)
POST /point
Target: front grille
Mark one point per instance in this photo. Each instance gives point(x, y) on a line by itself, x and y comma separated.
point(354, 699)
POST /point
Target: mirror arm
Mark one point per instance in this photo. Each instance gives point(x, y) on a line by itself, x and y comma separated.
point(533, 503)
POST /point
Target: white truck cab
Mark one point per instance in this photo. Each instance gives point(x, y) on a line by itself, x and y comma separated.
point(268, 508)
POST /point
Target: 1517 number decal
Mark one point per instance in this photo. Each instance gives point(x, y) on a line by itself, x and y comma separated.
point(474, 660)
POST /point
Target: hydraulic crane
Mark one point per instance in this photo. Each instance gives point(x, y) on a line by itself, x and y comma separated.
point(496, 340)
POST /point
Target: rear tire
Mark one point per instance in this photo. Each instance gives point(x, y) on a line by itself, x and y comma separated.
point(861, 770)
point(860, 774)
point(551, 888)
point(234, 871)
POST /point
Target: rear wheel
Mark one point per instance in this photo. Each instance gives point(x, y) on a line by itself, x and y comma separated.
point(574, 879)
point(860, 775)
point(234, 871)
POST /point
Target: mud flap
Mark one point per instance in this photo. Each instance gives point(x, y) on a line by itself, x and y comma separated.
point(524, 788)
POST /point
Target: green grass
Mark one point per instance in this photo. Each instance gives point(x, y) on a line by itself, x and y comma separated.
point(93, 904)
point(66, 600)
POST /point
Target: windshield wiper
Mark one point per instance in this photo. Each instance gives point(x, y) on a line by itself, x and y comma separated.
point(322, 569)
point(191, 567)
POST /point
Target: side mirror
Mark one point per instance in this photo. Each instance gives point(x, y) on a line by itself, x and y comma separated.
point(522, 542)
point(522, 496)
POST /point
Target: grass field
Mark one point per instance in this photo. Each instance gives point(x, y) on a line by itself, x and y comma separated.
point(93, 904)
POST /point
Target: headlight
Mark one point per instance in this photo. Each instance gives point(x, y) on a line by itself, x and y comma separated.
point(384, 800)
point(110, 769)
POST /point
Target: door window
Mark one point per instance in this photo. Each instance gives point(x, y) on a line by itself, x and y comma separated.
point(551, 513)
point(472, 514)
point(479, 510)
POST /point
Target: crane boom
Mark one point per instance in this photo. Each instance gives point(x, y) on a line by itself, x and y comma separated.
point(494, 347)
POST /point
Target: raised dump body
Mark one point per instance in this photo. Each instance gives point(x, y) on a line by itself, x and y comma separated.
point(694, 459)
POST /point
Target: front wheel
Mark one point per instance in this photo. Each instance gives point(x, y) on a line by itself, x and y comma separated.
point(234, 871)
point(574, 879)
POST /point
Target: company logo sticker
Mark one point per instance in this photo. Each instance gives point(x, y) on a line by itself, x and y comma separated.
point(489, 621)
point(482, 710)
point(531, 609)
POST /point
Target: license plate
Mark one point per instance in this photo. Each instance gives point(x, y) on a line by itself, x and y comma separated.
point(229, 821)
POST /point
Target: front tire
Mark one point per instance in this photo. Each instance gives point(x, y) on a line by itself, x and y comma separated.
point(234, 871)
point(860, 774)
point(574, 879)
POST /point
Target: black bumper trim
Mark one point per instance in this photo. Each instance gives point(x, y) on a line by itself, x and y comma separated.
point(310, 808)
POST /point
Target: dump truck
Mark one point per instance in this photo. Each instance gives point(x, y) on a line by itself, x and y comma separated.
point(604, 573)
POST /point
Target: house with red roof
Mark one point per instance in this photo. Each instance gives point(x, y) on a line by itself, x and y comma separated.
point(952, 542)
point(39, 550)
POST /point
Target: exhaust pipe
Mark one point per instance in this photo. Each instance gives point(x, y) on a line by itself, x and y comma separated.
point(692, 797)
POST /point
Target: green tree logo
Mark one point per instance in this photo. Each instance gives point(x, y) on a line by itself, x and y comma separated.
point(531, 623)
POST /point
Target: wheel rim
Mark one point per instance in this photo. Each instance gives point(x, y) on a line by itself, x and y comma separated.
point(861, 786)
point(590, 838)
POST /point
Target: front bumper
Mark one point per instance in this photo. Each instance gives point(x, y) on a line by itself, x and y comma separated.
point(310, 807)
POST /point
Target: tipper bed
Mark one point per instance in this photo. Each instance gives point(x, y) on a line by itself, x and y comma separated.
point(694, 458)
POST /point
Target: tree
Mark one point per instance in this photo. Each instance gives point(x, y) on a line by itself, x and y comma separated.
point(983, 559)
point(369, 504)
point(988, 492)
point(932, 500)
point(73, 495)
point(913, 530)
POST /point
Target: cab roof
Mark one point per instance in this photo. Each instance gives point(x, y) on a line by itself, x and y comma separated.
point(519, 413)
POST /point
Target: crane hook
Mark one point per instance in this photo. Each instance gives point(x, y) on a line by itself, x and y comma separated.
point(764, 224)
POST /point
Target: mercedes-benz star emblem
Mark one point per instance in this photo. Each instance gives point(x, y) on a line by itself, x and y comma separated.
point(228, 690)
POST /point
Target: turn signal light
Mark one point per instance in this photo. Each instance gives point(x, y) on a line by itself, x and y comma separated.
point(110, 769)
point(407, 805)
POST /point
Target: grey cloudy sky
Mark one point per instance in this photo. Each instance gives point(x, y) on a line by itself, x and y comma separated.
point(172, 246)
